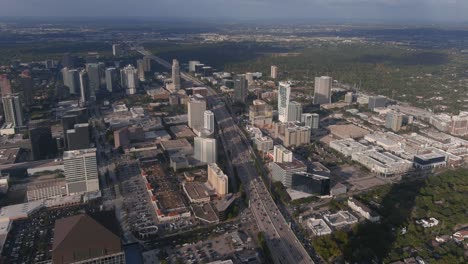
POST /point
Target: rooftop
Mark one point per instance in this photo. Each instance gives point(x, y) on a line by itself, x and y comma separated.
point(79, 153)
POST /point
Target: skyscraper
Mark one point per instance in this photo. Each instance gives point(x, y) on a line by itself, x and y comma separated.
point(147, 61)
point(196, 109)
point(13, 109)
point(111, 79)
point(274, 72)
point(240, 88)
point(141, 70)
point(249, 77)
point(5, 85)
point(176, 74)
point(96, 77)
point(217, 179)
point(78, 137)
point(377, 101)
point(68, 60)
point(322, 92)
point(311, 120)
point(394, 121)
point(205, 149)
point(26, 84)
point(43, 146)
point(209, 120)
point(294, 111)
point(71, 79)
point(284, 93)
point(81, 172)
point(192, 65)
point(116, 49)
point(129, 79)
point(84, 84)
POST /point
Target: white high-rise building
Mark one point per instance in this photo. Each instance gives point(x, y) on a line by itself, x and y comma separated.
point(310, 120)
point(294, 111)
point(322, 92)
point(282, 154)
point(192, 65)
point(116, 49)
point(71, 79)
point(274, 72)
point(141, 70)
point(111, 79)
point(249, 77)
point(217, 179)
point(129, 79)
point(209, 120)
point(196, 109)
point(241, 88)
point(13, 109)
point(81, 172)
point(284, 94)
point(176, 74)
point(205, 149)
point(84, 84)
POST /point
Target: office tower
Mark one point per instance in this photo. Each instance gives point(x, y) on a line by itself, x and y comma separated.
point(111, 79)
point(284, 93)
point(70, 119)
point(5, 85)
point(209, 120)
point(196, 109)
point(260, 114)
point(129, 79)
point(311, 183)
point(217, 179)
point(274, 72)
point(240, 88)
point(192, 65)
point(294, 111)
point(96, 77)
point(116, 49)
point(322, 92)
point(13, 110)
point(78, 137)
point(71, 79)
point(205, 149)
point(147, 60)
point(81, 239)
point(310, 120)
point(68, 61)
point(249, 77)
point(176, 74)
point(141, 70)
point(292, 134)
point(26, 84)
point(43, 146)
point(282, 154)
point(84, 83)
point(394, 121)
point(81, 172)
point(349, 97)
point(376, 102)
point(49, 64)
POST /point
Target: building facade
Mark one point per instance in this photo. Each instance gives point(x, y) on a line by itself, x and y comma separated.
point(322, 91)
point(81, 172)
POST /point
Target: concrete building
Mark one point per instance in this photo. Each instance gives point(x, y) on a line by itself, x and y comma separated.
point(84, 87)
point(209, 120)
point(282, 154)
point(263, 144)
point(78, 137)
point(43, 146)
point(218, 180)
point(283, 172)
point(455, 125)
point(322, 91)
point(294, 111)
point(430, 160)
point(175, 74)
point(26, 83)
point(363, 210)
point(205, 150)
point(394, 121)
point(121, 137)
point(71, 79)
point(347, 146)
point(192, 65)
point(382, 163)
point(311, 183)
point(241, 88)
point(284, 94)
point(292, 134)
point(196, 108)
point(311, 120)
point(147, 63)
point(260, 114)
point(129, 79)
point(46, 190)
point(5, 84)
point(13, 109)
point(274, 72)
point(349, 97)
point(96, 75)
point(81, 172)
point(376, 102)
point(116, 49)
point(112, 79)
point(141, 70)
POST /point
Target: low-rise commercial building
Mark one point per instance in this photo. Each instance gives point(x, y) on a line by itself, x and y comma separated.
point(363, 210)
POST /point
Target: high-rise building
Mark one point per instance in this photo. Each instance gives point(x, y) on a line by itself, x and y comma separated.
point(274, 72)
point(349, 97)
point(26, 84)
point(284, 93)
point(294, 111)
point(70, 119)
point(68, 61)
point(129, 79)
point(218, 180)
point(209, 120)
point(322, 92)
point(78, 137)
point(192, 65)
point(84, 86)
point(141, 70)
point(147, 61)
point(310, 120)
point(240, 88)
point(111, 79)
point(116, 49)
point(282, 154)
point(196, 109)
point(250, 78)
point(81, 172)
point(260, 114)
point(71, 79)
point(13, 109)
point(5, 85)
point(96, 75)
point(394, 121)
point(205, 149)
point(176, 74)
point(376, 102)
point(311, 183)
point(42, 144)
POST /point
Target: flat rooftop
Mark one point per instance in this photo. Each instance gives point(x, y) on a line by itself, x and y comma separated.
point(196, 190)
point(182, 131)
point(77, 153)
point(176, 144)
point(347, 131)
point(205, 212)
point(9, 156)
point(295, 164)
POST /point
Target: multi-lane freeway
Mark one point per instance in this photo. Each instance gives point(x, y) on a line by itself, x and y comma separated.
point(284, 246)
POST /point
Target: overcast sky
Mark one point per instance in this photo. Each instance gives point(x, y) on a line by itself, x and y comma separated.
point(415, 10)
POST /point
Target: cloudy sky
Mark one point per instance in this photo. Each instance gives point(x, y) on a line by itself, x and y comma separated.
point(415, 10)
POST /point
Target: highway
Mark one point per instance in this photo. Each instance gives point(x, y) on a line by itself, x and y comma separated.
point(284, 246)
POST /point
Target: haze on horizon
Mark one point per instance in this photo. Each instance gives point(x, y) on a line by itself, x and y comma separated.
point(384, 10)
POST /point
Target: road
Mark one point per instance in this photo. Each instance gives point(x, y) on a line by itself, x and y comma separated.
point(284, 246)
